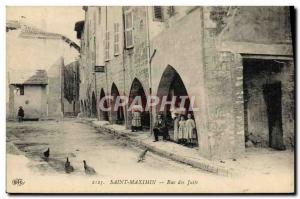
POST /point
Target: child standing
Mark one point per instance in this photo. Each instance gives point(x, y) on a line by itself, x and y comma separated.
point(190, 128)
point(181, 130)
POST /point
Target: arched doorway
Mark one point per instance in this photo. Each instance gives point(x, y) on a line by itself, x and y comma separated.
point(88, 106)
point(81, 106)
point(171, 85)
point(117, 116)
point(103, 113)
point(85, 108)
point(94, 105)
point(138, 90)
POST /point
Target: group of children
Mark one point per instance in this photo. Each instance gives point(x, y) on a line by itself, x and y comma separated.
point(185, 130)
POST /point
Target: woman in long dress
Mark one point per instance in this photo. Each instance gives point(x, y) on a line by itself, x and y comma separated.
point(136, 123)
point(176, 126)
point(190, 128)
point(181, 130)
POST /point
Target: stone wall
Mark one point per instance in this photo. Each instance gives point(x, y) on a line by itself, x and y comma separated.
point(31, 101)
point(206, 47)
point(257, 115)
point(54, 89)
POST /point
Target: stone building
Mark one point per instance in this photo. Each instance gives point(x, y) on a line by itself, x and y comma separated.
point(35, 63)
point(236, 61)
point(31, 94)
point(71, 106)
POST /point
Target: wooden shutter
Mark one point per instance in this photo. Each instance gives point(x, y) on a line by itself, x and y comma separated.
point(157, 13)
point(171, 11)
point(107, 46)
point(116, 39)
point(129, 29)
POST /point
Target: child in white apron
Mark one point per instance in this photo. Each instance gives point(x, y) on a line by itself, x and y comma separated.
point(190, 128)
point(181, 130)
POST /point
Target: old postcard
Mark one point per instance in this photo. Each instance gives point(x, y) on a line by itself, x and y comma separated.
point(150, 99)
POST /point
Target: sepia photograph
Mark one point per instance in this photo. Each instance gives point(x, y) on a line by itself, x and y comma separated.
point(150, 99)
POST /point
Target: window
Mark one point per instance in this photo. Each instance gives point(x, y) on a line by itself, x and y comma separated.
point(99, 15)
point(157, 13)
point(171, 11)
point(116, 39)
point(128, 29)
point(21, 89)
point(107, 46)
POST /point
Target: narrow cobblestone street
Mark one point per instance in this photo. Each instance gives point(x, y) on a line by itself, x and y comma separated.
point(112, 158)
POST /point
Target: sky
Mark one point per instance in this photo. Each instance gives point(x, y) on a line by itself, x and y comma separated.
point(56, 19)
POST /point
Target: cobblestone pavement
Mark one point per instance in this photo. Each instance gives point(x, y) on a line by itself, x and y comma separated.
point(112, 158)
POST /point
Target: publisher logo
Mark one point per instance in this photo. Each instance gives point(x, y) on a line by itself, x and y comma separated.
point(18, 182)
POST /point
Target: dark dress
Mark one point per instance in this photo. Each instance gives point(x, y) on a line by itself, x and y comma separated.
point(160, 129)
point(20, 114)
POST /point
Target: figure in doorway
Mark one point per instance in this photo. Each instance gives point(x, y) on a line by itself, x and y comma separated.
point(182, 135)
point(160, 129)
point(136, 123)
point(176, 127)
point(190, 129)
point(20, 114)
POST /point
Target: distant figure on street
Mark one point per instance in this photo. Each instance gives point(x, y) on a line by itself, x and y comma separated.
point(20, 114)
point(160, 129)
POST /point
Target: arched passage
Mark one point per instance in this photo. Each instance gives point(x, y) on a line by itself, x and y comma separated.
point(103, 113)
point(85, 108)
point(117, 115)
point(137, 90)
point(94, 105)
point(171, 85)
point(81, 106)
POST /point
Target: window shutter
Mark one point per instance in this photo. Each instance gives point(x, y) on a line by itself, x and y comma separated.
point(157, 13)
point(129, 29)
point(116, 39)
point(99, 16)
point(107, 46)
point(171, 11)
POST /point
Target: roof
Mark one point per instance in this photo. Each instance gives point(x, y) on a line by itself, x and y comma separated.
point(28, 31)
point(38, 78)
point(12, 25)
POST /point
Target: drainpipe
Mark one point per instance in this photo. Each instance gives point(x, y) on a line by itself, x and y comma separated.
point(124, 75)
point(94, 73)
point(106, 77)
point(149, 68)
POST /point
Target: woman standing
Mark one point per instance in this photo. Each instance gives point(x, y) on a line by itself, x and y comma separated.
point(176, 127)
point(136, 121)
